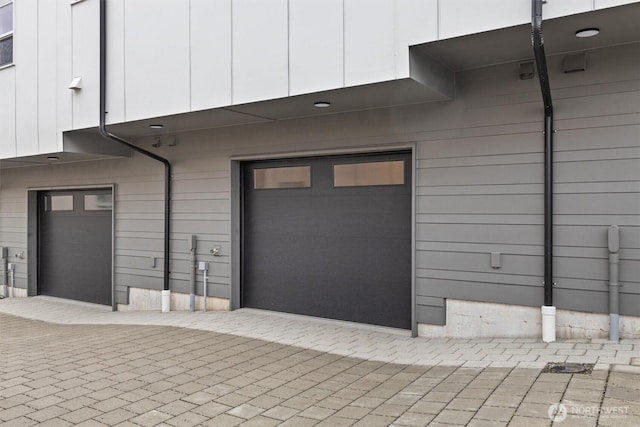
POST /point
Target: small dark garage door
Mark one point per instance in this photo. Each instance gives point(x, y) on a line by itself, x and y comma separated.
point(75, 245)
point(329, 237)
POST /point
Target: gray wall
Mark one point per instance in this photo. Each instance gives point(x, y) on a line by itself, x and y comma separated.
point(479, 187)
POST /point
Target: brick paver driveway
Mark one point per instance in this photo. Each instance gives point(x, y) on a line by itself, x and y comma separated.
point(157, 375)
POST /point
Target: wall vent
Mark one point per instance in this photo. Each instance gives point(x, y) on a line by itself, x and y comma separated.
point(574, 63)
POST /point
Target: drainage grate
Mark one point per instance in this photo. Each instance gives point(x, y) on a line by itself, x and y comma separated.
point(568, 368)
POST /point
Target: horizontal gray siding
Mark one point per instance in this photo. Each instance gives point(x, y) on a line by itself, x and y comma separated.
point(484, 193)
point(13, 226)
point(479, 187)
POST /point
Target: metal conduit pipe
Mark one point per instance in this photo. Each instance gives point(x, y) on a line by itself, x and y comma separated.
point(5, 270)
point(193, 243)
point(167, 165)
point(5, 278)
point(614, 285)
point(12, 279)
point(548, 310)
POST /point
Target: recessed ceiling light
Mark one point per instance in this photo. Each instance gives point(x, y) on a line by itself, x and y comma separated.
point(322, 104)
point(156, 126)
point(53, 158)
point(587, 32)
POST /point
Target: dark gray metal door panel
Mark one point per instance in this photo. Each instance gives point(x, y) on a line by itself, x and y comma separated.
point(341, 253)
point(75, 250)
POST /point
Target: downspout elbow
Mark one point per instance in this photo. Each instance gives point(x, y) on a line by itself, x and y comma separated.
point(109, 136)
point(537, 40)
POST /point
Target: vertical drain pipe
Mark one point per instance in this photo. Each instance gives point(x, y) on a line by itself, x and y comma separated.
point(166, 293)
point(5, 270)
point(548, 309)
point(204, 267)
point(12, 278)
point(193, 243)
point(614, 286)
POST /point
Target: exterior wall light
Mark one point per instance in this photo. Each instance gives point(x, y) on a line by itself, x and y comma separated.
point(53, 158)
point(322, 104)
point(156, 126)
point(587, 32)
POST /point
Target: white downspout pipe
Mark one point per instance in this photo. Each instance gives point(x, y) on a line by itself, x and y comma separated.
point(548, 323)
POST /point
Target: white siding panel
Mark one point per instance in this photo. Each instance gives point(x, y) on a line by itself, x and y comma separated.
point(369, 45)
point(156, 58)
point(601, 4)
point(210, 53)
point(86, 63)
point(64, 116)
point(8, 116)
point(26, 59)
point(416, 22)
point(316, 54)
point(47, 91)
point(553, 9)
point(115, 62)
point(260, 50)
point(460, 17)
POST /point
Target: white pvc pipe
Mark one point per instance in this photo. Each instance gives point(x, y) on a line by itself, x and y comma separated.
point(548, 323)
point(166, 301)
point(12, 279)
point(192, 243)
point(614, 285)
point(614, 327)
point(206, 289)
point(5, 277)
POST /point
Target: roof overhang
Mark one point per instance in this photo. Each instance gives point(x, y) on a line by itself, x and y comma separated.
point(618, 25)
point(429, 82)
point(432, 75)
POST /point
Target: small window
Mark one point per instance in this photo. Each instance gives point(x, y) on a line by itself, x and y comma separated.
point(6, 34)
point(373, 173)
point(98, 202)
point(58, 203)
point(286, 177)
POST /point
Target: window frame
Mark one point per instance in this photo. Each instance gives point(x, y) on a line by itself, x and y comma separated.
point(336, 185)
point(88, 207)
point(309, 168)
point(64, 198)
point(9, 34)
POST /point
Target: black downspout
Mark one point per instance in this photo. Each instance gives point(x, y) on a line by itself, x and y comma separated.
point(106, 134)
point(541, 63)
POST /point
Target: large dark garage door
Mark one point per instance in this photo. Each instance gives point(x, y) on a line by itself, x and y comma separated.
point(329, 237)
point(75, 245)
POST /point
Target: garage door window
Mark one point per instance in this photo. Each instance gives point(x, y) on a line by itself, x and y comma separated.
point(98, 202)
point(371, 173)
point(58, 203)
point(285, 177)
